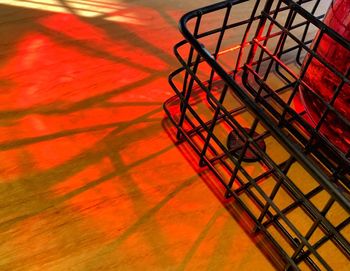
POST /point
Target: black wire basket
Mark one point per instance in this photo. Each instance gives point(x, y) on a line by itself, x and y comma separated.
point(236, 105)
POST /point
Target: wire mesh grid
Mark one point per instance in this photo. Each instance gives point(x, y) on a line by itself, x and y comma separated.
point(237, 105)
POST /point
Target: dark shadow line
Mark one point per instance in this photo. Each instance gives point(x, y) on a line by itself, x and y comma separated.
point(199, 240)
point(124, 170)
point(73, 165)
point(66, 170)
point(12, 14)
point(139, 201)
point(32, 140)
point(223, 244)
point(170, 20)
point(80, 105)
point(136, 41)
point(150, 213)
point(125, 104)
point(91, 50)
point(92, 184)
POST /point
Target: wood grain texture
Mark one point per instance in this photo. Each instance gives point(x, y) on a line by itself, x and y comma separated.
point(89, 179)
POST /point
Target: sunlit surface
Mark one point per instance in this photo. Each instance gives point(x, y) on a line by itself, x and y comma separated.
point(89, 179)
point(83, 8)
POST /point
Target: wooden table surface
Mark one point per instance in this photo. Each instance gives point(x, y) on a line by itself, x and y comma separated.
point(89, 177)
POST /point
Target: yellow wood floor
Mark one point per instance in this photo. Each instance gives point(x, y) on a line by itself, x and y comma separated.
point(89, 178)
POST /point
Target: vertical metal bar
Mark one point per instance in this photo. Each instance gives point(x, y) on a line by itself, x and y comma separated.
point(212, 125)
point(219, 42)
point(259, 31)
point(259, 62)
point(187, 91)
point(244, 149)
point(245, 37)
point(303, 38)
point(280, 43)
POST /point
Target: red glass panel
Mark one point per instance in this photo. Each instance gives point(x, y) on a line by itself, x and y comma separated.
point(323, 82)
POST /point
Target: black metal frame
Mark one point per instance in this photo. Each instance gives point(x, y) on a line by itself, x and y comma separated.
point(213, 100)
